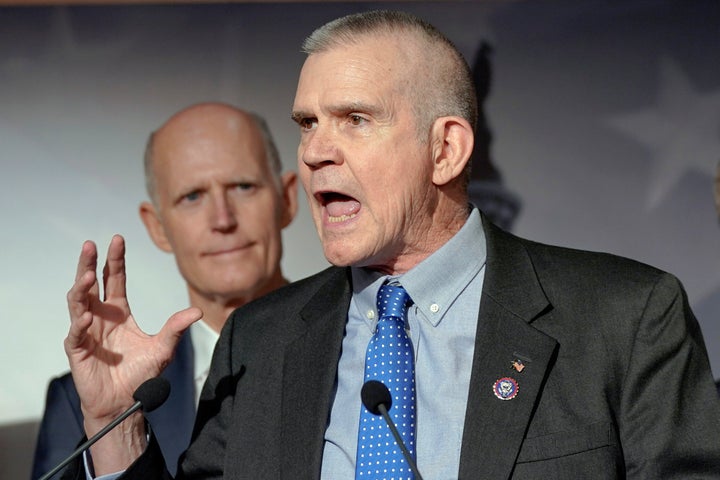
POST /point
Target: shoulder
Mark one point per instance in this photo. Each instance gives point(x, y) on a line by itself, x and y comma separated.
point(62, 388)
point(261, 316)
point(265, 327)
point(62, 403)
point(562, 270)
point(295, 295)
point(598, 278)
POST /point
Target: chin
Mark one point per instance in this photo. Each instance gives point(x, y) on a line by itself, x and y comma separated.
point(340, 257)
point(233, 286)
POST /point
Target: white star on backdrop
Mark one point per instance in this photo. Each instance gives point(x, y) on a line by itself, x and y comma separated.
point(682, 131)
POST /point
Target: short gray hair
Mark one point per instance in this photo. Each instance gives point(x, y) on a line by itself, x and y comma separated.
point(448, 89)
point(272, 157)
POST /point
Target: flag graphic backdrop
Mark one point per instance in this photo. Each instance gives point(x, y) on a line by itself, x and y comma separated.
point(604, 120)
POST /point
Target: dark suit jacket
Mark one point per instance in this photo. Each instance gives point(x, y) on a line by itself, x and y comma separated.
point(61, 429)
point(617, 382)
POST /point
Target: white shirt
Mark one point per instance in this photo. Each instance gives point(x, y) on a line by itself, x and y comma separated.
point(203, 340)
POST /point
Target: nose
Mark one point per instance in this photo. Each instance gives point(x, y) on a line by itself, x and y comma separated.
point(319, 148)
point(223, 215)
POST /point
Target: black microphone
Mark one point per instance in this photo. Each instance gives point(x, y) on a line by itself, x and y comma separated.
point(149, 395)
point(376, 398)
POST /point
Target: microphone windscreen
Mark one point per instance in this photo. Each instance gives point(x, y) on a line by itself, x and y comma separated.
point(152, 393)
point(374, 394)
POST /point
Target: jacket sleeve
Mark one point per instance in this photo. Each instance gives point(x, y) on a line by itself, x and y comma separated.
point(670, 411)
point(61, 428)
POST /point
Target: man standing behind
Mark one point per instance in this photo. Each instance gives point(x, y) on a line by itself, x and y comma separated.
point(219, 204)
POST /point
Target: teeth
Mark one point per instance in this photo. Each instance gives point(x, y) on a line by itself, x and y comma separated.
point(341, 218)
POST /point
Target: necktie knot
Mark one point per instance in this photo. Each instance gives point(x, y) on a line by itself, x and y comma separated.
point(392, 301)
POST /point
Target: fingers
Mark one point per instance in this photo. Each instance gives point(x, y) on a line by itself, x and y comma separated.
point(85, 286)
point(79, 296)
point(77, 333)
point(87, 260)
point(83, 298)
point(114, 276)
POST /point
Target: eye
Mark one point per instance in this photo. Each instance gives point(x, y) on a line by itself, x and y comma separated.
point(356, 119)
point(244, 186)
point(306, 123)
point(191, 197)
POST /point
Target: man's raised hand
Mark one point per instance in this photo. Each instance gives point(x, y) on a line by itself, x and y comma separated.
point(109, 355)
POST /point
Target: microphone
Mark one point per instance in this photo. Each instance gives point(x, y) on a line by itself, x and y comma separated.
point(376, 398)
point(149, 395)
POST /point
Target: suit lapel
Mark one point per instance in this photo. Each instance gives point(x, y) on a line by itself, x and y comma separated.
point(309, 374)
point(512, 297)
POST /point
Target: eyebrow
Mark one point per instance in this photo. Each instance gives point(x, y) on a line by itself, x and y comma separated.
point(340, 108)
point(298, 115)
point(345, 108)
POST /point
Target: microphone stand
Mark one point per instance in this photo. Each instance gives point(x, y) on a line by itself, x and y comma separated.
point(408, 458)
point(149, 395)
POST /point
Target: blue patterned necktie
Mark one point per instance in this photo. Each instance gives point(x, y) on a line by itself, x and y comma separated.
point(389, 360)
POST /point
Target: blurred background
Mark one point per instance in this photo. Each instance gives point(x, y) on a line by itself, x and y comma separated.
point(602, 132)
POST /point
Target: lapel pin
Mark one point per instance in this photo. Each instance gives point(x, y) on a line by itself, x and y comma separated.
point(505, 388)
point(518, 365)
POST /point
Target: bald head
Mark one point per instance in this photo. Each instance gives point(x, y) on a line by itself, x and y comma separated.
point(219, 204)
point(195, 127)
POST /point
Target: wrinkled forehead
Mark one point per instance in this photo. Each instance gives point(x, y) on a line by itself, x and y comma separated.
point(383, 64)
point(401, 46)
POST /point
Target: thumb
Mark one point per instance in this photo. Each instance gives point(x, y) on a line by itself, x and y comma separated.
point(170, 334)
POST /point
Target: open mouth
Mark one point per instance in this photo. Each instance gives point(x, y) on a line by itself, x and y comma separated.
point(339, 207)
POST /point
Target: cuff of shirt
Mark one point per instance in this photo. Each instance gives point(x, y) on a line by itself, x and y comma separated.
point(90, 470)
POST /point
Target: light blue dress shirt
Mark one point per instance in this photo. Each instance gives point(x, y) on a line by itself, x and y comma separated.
point(445, 289)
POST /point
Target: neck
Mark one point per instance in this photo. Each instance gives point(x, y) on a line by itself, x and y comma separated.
point(441, 225)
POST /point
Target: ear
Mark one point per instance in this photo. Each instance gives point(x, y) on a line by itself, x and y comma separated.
point(154, 226)
point(289, 197)
point(452, 144)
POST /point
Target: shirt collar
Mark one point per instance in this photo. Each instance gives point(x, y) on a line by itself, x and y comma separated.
point(436, 282)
